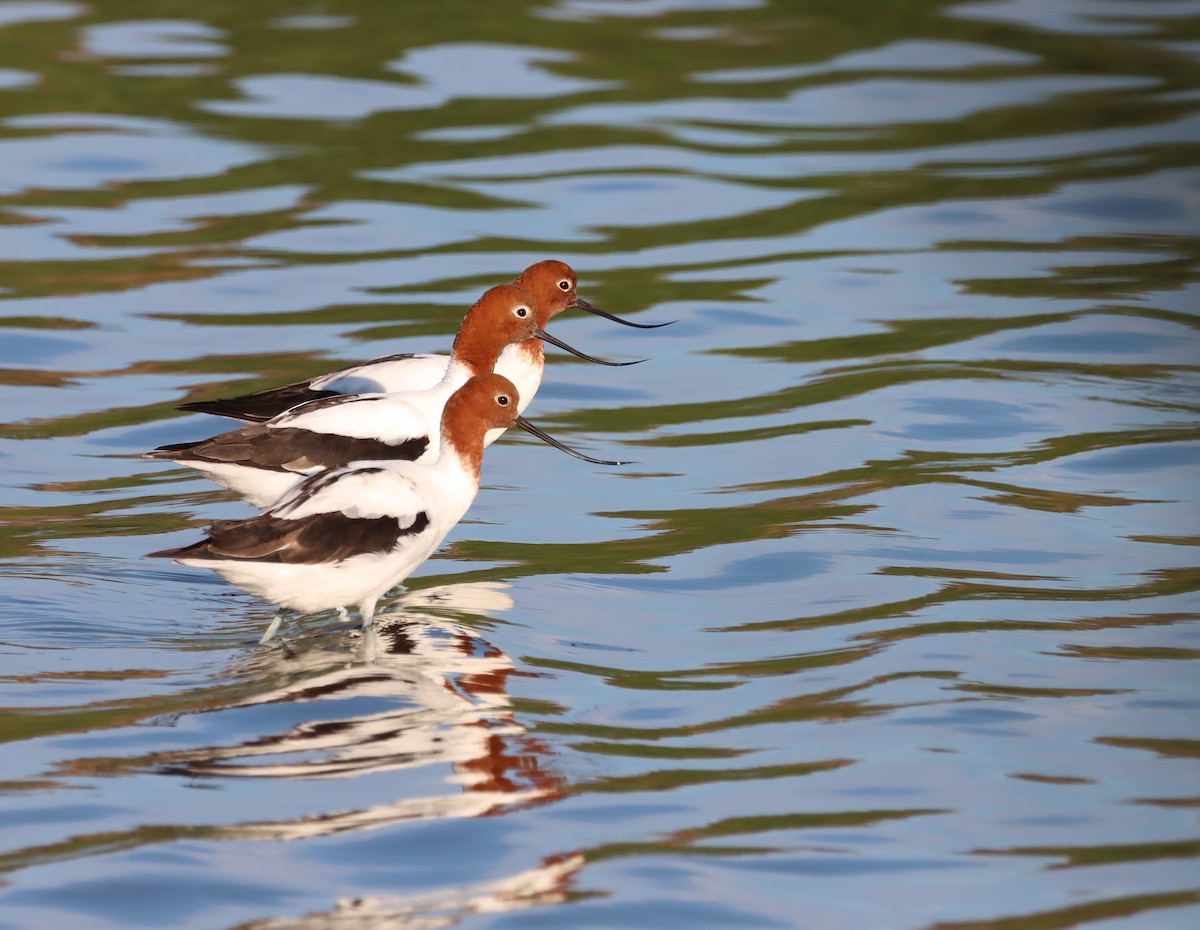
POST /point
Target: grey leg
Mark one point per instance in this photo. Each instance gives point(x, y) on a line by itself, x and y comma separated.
point(367, 611)
point(272, 629)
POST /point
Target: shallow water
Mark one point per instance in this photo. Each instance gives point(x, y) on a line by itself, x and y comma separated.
point(893, 623)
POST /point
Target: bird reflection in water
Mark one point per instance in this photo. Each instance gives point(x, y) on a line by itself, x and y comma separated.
point(549, 883)
point(447, 702)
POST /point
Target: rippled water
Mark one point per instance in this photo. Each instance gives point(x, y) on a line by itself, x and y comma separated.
point(893, 625)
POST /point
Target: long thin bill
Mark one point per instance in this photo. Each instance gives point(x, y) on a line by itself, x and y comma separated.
point(582, 304)
point(546, 337)
point(546, 437)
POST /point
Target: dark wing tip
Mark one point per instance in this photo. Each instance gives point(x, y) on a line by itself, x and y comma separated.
point(231, 409)
point(171, 553)
point(172, 451)
point(199, 406)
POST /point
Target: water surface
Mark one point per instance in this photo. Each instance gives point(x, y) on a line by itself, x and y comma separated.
point(893, 623)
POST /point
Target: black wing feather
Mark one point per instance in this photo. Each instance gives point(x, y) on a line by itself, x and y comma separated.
point(289, 449)
point(261, 406)
point(315, 539)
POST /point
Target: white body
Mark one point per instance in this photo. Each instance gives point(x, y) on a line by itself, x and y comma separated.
point(442, 490)
point(258, 486)
point(420, 372)
point(389, 414)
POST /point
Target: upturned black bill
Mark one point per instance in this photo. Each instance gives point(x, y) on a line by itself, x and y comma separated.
point(546, 337)
point(547, 438)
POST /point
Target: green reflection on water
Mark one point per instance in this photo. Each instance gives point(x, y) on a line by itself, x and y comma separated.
point(1081, 914)
point(820, 176)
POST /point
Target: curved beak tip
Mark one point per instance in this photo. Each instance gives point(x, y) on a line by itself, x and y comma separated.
point(555, 341)
point(581, 304)
point(528, 427)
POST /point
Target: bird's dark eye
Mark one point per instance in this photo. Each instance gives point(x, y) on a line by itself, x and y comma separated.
point(564, 285)
point(522, 312)
point(502, 400)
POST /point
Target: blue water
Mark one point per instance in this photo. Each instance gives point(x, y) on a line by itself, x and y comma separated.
point(891, 625)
